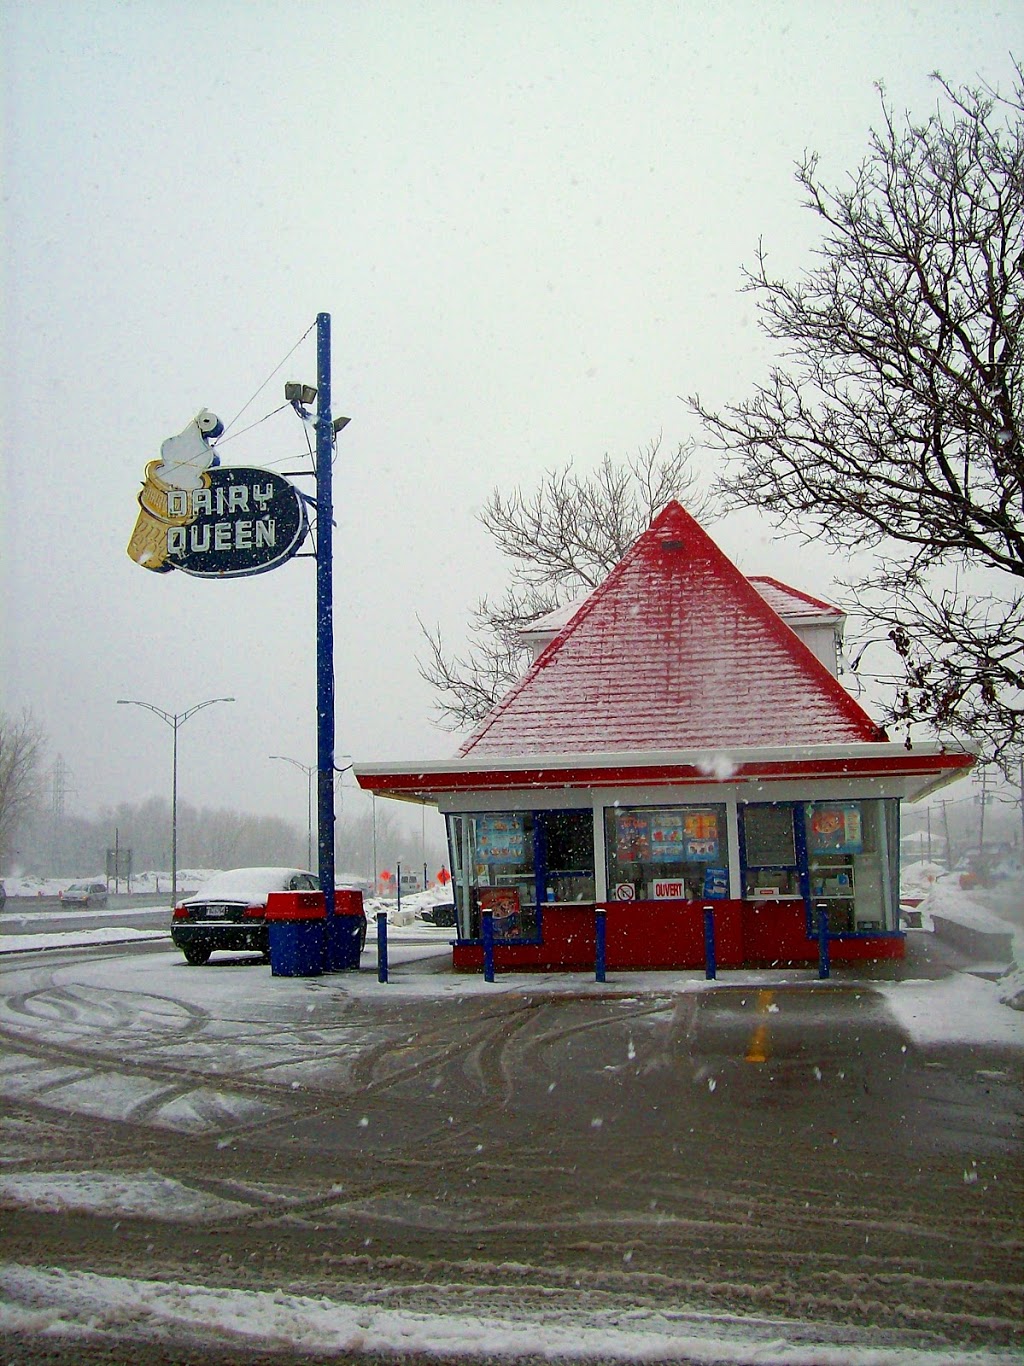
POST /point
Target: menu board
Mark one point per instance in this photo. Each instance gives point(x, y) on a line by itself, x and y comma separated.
point(834, 828)
point(701, 835)
point(500, 839)
point(668, 843)
point(666, 836)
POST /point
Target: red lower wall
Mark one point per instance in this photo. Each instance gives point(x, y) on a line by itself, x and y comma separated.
point(670, 934)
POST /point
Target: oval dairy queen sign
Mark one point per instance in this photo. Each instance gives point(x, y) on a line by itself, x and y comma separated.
point(244, 522)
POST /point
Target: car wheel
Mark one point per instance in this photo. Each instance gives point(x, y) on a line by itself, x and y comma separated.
point(197, 954)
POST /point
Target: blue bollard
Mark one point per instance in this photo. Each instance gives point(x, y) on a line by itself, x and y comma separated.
point(600, 941)
point(487, 934)
point(710, 965)
point(382, 946)
point(823, 963)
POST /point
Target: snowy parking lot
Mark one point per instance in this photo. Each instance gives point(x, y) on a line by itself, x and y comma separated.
point(764, 1168)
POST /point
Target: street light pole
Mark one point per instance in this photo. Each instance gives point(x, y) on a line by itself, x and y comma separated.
point(174, 720)
point(308, 770)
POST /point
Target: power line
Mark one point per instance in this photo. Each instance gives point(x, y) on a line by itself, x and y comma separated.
point(273, 372)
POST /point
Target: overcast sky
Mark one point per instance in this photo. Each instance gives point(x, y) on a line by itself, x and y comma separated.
point(528, 222)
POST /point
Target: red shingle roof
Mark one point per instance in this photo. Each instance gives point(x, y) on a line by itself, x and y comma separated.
point(674, 651)
point(792, 603)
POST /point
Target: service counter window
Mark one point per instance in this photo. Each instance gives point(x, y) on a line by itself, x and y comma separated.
point(509, 862)
point(768, 848)
point(851, 858)
point(666, 852)
point(494, 871)
point(565, 855)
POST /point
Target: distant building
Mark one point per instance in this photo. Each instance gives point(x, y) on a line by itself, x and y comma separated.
point(680, 741)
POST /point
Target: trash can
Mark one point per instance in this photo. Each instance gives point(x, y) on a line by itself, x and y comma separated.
point(295, 925)
point(345, 931)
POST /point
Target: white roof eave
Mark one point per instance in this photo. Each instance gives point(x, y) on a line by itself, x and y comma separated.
point(713, 759)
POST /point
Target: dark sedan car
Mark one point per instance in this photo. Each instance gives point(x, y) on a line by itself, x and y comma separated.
point(229, 911)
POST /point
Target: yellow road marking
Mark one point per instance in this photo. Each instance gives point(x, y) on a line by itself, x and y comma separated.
point(757, 1049)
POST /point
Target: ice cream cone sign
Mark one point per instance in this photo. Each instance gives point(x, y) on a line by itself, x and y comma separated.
point(182, 467)
point(210, 520)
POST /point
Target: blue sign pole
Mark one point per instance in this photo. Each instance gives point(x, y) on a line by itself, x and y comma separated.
point(600, 944)
point(324, 613)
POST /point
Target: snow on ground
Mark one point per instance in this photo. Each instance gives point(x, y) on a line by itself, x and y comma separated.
point(948, 899)
point(76, 939)
point(143, 1195)
point(189, 879)
point(959, 1009)
point(996, 910)
point(47, 1301)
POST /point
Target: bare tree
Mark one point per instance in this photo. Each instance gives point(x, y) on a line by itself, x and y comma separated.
point(21, 749)
point(894, 422)
point(562, 539)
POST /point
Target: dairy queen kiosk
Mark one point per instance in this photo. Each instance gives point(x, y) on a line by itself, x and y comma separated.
point(680, 742)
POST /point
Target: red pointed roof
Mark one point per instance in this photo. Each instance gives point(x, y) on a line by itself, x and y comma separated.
point(674, 651)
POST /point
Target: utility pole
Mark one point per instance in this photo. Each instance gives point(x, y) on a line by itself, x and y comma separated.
point(949, 842)
point(59, 788)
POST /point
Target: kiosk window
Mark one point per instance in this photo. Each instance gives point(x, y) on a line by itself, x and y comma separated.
point(503, 859)
point(769, 836)
point(666, 852)
point(769, 847)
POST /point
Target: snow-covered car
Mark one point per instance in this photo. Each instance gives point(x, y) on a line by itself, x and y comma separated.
point(84, 894)
point(229, 911)
point(443, 913)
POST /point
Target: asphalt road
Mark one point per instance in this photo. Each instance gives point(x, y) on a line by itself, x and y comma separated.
point(46, 915)
point(776, 1152)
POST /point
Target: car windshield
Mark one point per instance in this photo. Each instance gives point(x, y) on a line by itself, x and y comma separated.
point(246, 884)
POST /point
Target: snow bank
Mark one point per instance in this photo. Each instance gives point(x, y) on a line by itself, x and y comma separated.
point(947, 899)
point(142, 883)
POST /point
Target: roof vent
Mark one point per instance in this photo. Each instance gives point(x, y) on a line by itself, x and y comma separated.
point(671, 541)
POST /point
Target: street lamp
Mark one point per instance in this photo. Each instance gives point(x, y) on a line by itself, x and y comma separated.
point(174, 720)
point(309, 770)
